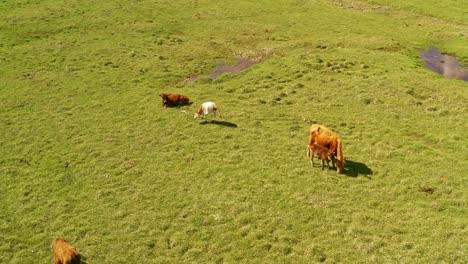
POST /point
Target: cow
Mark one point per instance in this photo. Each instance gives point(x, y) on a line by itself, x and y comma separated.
point(174, 99)
point(205, 109)
point(322, 152)
point(324, 137)
point(64, 253)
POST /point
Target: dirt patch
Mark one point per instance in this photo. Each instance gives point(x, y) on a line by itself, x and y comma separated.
point(222, 67)
point(230, 68)
point(359, 6)
point(444, 64)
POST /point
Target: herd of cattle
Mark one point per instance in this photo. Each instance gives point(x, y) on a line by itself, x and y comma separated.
point(179, 100)
point(323, 143)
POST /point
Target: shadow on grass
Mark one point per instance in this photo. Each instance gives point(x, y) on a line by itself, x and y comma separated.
point(219, 123)
point(354, 169)
point(178, 106)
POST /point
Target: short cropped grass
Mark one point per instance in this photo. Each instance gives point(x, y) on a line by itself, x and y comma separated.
point(87, 151)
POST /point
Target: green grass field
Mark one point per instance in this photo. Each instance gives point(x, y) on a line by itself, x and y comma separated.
point(88, 153)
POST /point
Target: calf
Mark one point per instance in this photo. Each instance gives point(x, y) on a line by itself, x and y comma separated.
point(64, 253)
point(205, 109)
point(173, 99)
point(322, 152)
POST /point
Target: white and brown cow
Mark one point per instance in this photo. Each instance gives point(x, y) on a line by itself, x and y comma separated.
point(205, 109)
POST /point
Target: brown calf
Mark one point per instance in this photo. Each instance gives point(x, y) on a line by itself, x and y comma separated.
point(174, 99)
point(64, 253)
point(322, 152)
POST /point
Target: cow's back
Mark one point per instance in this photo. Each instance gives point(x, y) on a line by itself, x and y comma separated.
point(184, 99)
point(173, 99)
point(209, 107)
point(65, 253)
point(323, 136)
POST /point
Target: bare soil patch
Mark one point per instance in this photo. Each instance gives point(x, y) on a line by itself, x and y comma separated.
point(222, 67)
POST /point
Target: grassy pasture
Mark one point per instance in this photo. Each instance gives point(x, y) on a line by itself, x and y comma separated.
point(88, 153)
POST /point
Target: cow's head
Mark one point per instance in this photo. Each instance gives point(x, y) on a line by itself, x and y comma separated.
point(196, 115)
point(340, 165)
point(163, 97)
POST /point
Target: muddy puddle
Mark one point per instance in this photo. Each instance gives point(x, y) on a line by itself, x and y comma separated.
point(443, 64)
point(222, 67)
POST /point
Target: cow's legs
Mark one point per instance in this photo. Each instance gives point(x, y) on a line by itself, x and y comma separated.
point(308, 155)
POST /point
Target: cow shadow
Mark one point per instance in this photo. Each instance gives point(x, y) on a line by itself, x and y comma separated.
point(178, 106)
point(354, 169)
point(219, 123)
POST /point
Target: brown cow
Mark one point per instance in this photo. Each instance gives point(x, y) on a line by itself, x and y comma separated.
point(64, 253)
point(173, 99)
point(322, 152)
point(324, 137)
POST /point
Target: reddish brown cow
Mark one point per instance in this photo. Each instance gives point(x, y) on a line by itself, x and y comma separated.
point(322, 152)
point(173, 99)
point(323, 136)
point(64, 253)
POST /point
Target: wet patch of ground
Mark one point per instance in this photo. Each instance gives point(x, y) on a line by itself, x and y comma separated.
point(444, 64)
point(222, 67)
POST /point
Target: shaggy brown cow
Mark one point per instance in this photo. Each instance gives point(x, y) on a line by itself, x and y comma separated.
point(64, 253)
point(322, 152)
point(324, 137)
point(173, 99)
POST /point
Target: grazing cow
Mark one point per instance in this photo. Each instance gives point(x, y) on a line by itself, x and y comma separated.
point(324, 137)
point(64, 253)
point(173, 99)
point(205, 109)
point(322, 152)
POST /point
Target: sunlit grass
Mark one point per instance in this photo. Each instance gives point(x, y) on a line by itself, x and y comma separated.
point(88, 152)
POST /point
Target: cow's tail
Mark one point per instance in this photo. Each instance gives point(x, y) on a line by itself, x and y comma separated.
point(339, 154)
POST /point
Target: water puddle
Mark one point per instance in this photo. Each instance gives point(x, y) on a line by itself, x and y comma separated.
point(223, 67)
point(446, 65)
